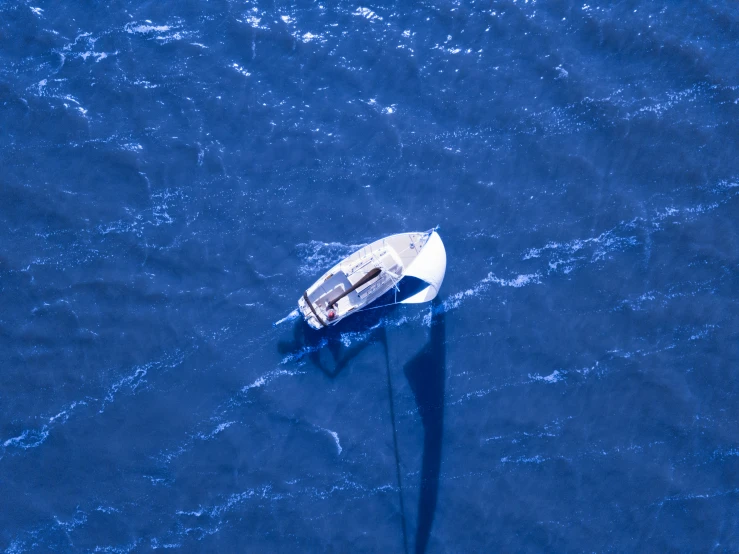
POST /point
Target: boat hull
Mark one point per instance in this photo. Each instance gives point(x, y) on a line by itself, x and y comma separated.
point(360, 279)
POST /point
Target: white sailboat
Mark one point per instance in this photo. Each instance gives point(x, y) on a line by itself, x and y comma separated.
point(413, 264)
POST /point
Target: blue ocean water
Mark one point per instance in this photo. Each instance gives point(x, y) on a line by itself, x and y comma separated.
point(175, 174)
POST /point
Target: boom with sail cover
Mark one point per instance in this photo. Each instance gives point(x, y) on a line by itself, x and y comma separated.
point(363, 281)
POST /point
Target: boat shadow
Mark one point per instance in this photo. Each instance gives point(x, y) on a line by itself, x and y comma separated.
point(426, 375)
point(313, 344)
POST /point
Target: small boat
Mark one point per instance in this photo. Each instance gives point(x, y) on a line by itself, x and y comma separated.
point(408, 267)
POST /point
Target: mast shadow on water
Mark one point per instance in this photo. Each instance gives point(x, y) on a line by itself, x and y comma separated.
point(426, 374)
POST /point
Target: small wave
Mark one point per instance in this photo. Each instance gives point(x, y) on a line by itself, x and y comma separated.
point(698, 496)
point(133, 381)
point(255, 21)
point(523, 460)
point(335, 436)
point(309, 37)
point(318, 256)
point(349, 338)
point(519, 281)
point(156, 545)
point(553, 377)
point(218, 430)
point(704, 332)
point(240, 69)
point(269, 377)
point(118, 549)
point(160, 33)
point(303, 352)
point(32, 438)
point(601, 245)
point(148, 27)
point(367, 14)
point(664, 297)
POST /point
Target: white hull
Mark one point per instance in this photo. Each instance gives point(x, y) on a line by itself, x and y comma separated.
point(360, 279)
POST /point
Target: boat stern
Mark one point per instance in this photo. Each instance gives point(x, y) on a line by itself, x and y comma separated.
point(311, 313)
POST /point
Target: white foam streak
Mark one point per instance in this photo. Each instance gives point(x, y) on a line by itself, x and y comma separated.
point(523, 460)
point(303, 352)
point(603, 243)
point(133, 28)
point(698, 496)
point(554, 377)
point(219, 429)
point(319, 256)
point(367, 14)
point(269, 377)
point(335, 436)
point(519, 281)
point(31, 438)
point(240, 69)
point(266, 492)
point(161, 33)
point(134, 380)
